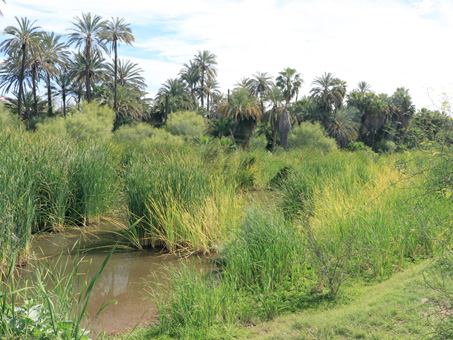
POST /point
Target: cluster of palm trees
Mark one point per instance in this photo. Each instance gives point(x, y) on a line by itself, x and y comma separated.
point(196, 82)
point(33, 55)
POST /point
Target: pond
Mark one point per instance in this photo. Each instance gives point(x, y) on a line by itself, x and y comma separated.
point(124, 279)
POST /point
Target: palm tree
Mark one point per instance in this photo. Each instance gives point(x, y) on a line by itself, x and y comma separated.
point(344, 125)
point(205, 61)
point(87, 36)
point(129, 102)
point(241, 105)
point(330, 90)
point(64, 83)
point(128, 74)
point(54, 58)
point(191, 76)
point(261, 83)
point(26, 40)
point(116, 31)
point(10, 75)
point(211, 89)
point(244, 83)
point(363, 87)
point(78, 68)
point(276, 98)
point(289, 81)
point(177, 94)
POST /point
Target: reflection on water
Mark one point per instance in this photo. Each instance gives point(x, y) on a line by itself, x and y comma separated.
point(123, 279)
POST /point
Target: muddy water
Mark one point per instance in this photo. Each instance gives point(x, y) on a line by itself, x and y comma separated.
point(124, 279)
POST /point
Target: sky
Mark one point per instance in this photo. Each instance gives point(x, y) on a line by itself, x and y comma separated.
point(387, 43)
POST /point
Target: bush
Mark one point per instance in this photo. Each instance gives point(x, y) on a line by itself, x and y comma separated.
point(7, 119)
point(187, 124)
point(88, 122)
point(311, 136)
point(385, 146)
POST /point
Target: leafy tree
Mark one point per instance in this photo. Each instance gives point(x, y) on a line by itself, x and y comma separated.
point(87, 35)
point(401, 112)
point(191, 76)
point(205, 61)
point(128, 74)
point(177, 94)
point(344, 124)
point(241, 106)
point(78, 69)
point(330, 91)
point(261, 83)
point(26, 39)
point(276, 99)
point(290, 82)
point(211, 90)
point(54, 57)
point(114, 32)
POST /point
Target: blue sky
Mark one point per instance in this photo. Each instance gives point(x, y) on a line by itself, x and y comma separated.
point(388, 43)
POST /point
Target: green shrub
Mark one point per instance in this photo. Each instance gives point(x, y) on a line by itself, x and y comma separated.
point(385, 146)
point(88, 122)
point(188, 125)
point(311, 136)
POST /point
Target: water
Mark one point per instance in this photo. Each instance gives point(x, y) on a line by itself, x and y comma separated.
point(124, 279)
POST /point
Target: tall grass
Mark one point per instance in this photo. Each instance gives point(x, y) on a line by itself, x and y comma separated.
point(46, 183)
point(182, 201)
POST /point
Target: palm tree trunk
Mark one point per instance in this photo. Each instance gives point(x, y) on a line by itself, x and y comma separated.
point(208, 101)
point(21, 82)
point(49, 96)
point(115, 80)
point(236, 123)
point(35, 99)
point(87, 72)
point(202, 88)
point(274, 133)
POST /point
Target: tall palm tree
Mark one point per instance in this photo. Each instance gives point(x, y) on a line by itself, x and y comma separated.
point(205, 61)
point(330, 90)
point(211, 89)
point(191, 76)
point(87, 36)
point(114, 32)
point(26, 39)
point(261, 83)
point(10, 75)
point(127, 74)
point(54, 57)
point(78, 68)
point(241, 105)
point(290, 82)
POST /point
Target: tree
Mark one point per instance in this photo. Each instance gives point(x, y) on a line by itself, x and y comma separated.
point(205, 61)
point(401, 110)
point(344, 125)
point(174, 95)
point(54, 58)
point(191, 76)
point(113, 32)
point(330, 91)
point(289, 81)
point(26, 39)
point(128, 74)
point(211, 89)
point(87, 36)
point(78, 69)
point(363, 87)
point(276, 98)
point(241, 106)
point(260, 85)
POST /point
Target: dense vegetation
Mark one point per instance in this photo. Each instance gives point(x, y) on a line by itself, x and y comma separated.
point(293, 196)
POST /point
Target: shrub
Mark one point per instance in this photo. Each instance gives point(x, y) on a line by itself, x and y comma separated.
point(311, 136)
point(187, 124)
point(88, 122)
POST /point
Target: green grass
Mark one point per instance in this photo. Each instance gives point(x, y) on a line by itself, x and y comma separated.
point(398, 308)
